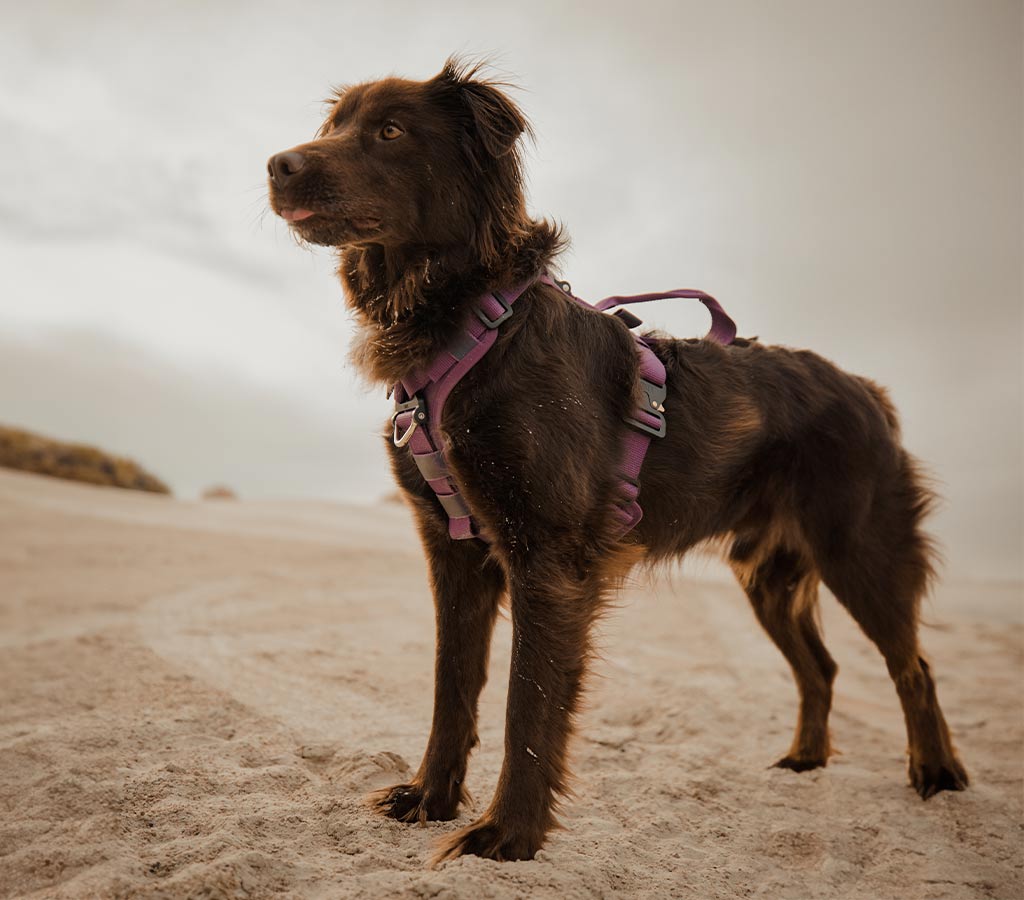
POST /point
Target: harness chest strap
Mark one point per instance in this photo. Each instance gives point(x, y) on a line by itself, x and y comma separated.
point(419, 399)
point(419, 402)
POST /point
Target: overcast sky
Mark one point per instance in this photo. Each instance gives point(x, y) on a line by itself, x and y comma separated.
point(842, 176)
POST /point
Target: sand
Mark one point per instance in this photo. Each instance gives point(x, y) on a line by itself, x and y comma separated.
point(196, 696)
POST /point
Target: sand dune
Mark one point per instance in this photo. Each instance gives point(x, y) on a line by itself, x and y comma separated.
point(195, 697)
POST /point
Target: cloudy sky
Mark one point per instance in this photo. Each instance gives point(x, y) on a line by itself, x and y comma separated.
point(844, 177)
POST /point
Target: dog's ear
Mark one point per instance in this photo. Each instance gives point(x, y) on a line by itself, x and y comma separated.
point(498, 122)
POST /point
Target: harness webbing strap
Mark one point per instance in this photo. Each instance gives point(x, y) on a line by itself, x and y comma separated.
point(420, 398)
point(648, 420)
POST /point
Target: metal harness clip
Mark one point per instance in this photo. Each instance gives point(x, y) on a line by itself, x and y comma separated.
point(419, 417)
point(654, 406)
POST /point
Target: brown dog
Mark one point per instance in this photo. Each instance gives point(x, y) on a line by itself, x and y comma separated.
point(795, 467)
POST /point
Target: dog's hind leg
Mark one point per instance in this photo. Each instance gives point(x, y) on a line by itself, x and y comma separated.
point(876, 561)
point(467, 588)
point(783, 589)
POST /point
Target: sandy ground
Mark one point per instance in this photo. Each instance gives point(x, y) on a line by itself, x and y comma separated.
point(195, 697)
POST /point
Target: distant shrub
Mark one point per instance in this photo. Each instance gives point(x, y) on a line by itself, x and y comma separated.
point(75, 462)
point(219, 492)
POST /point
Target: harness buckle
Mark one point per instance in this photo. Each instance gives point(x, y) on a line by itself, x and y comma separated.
point(494, 323)
point(653, 406)
point(419, 417)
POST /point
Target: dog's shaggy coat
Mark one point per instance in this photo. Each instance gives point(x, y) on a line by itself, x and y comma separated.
point(791, 465)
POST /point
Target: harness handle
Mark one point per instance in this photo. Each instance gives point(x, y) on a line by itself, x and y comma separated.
point(723, 328)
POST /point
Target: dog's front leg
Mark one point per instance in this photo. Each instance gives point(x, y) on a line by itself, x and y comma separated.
point(467, 588)
point(551, 616)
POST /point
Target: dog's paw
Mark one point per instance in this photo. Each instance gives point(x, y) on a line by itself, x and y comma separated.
point(412, 803)
point(488, 839)
point(929, 779)
point(800, 763)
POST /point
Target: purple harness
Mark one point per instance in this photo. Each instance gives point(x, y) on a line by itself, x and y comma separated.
point(420, 398)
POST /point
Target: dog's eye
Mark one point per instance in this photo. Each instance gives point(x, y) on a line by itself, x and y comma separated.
point(391, 131)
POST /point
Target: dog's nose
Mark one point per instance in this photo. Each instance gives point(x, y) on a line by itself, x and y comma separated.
point(283, 166)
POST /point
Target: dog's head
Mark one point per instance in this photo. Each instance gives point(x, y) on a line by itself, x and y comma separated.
point(407, 164)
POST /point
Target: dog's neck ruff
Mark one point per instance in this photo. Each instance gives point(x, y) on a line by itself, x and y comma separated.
point(420, 398)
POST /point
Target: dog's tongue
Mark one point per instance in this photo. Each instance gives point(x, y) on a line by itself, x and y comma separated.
point(296, 215)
